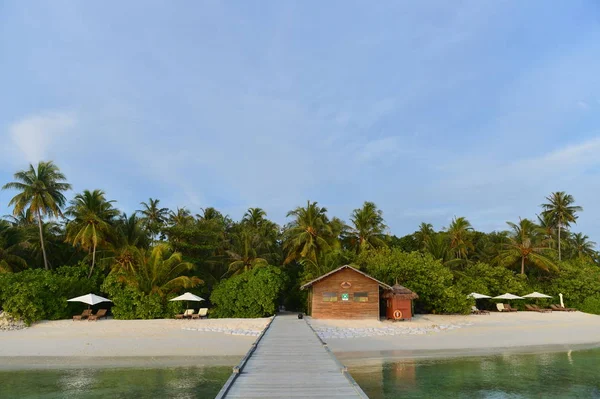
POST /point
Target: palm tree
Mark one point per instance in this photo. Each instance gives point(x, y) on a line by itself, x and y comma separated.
point(460, 243)
point(526, 243)
point(561, 211)
point(309, 234)
point(41, 193)
point(245, 256)
point(368, 227)
point(130, 232)
point(92, 221)
point(153, 216)
point(156, 270)
point(546, 224)
point(181, 217)
point(423, 235)
point(10, 240)
point(582, 246)
point(255, 217)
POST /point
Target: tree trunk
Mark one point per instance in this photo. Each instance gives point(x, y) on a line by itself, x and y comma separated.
point(522, 265)
point(42, 239)
point(93, 260)
point(559, 242)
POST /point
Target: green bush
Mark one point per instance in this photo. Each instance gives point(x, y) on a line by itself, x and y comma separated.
point(251, 294)
point(591, 305)
point(420, 273)
point(131, 303)
point(38, 294)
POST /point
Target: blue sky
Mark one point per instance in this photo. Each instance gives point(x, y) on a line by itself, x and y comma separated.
point(429, 109)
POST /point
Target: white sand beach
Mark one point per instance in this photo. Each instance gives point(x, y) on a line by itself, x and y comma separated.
point(458, 335)
point(65, 341)
point(59, 340)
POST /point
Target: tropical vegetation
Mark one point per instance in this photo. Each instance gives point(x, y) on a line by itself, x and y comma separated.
point(52, 247)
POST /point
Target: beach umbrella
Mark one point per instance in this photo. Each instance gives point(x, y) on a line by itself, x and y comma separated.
point(90, 299)
point(508, 296)
point(477, 296)
point(188, 296)
point(536, 295)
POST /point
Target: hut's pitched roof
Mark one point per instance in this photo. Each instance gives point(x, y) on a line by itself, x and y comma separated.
point(400, 291)
point(310, 283)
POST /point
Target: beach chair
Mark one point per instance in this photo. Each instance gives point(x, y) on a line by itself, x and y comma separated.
point(562, 309)
point(474, 310)
point(508, 308)
point(500, 307)
point(186, 315)
point(536, 307)
point(99, 314)
point(202, 314)
point(86, 313)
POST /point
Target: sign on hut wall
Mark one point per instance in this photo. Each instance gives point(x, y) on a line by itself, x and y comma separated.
point(345, 296)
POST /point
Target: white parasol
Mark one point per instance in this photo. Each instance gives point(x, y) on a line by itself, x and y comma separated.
point(508, 296)
point(90, 299)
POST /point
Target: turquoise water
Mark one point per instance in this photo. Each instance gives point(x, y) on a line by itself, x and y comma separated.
point(574, 374)
point(173, 383)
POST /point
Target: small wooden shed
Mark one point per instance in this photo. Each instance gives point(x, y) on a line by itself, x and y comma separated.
point(344, 293)
point(399, 302)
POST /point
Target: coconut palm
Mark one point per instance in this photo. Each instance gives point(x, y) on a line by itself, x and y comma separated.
point(309, 234)
point(255, 217)
point(582, 246)
point(91, 226)
point(459, 233)
point(561, 211)
point(368, 227)
point(526, 244)
point(153, 216)
point(546, 224)
point(423, 235)
point(181, 217)
point(40, 191)
point(156, 270)
point(10, 240)
point(244, 255)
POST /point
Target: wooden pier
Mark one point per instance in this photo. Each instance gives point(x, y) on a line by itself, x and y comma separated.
point(289, 360)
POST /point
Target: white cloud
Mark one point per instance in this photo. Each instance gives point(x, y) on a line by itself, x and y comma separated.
point(34, 135)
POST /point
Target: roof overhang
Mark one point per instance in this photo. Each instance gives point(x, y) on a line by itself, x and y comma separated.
point(310, 283)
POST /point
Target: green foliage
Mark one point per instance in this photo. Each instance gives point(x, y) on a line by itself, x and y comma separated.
point(129, 302)
point(420, 273)
point(37, 294)
point(254, 293)
point(490, 280)
point(591, 305)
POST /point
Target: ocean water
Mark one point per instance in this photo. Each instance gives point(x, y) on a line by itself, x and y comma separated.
point(172, 383)
point(564, 375)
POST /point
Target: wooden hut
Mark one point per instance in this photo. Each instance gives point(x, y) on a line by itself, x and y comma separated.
point(399, 302)
point(344, 293)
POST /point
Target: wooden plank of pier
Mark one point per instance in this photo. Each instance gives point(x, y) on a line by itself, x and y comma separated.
point(290, 361)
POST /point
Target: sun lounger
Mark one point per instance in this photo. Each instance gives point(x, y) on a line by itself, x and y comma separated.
point(186, 315)
point(203, 313)
point(507, 307)
point(474, 310)
point(536, 307)
point(562, 309)
point(99, 314)
point(500, 307)
point(86, 313)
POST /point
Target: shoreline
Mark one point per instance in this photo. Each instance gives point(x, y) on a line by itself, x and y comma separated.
point(161, 343)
